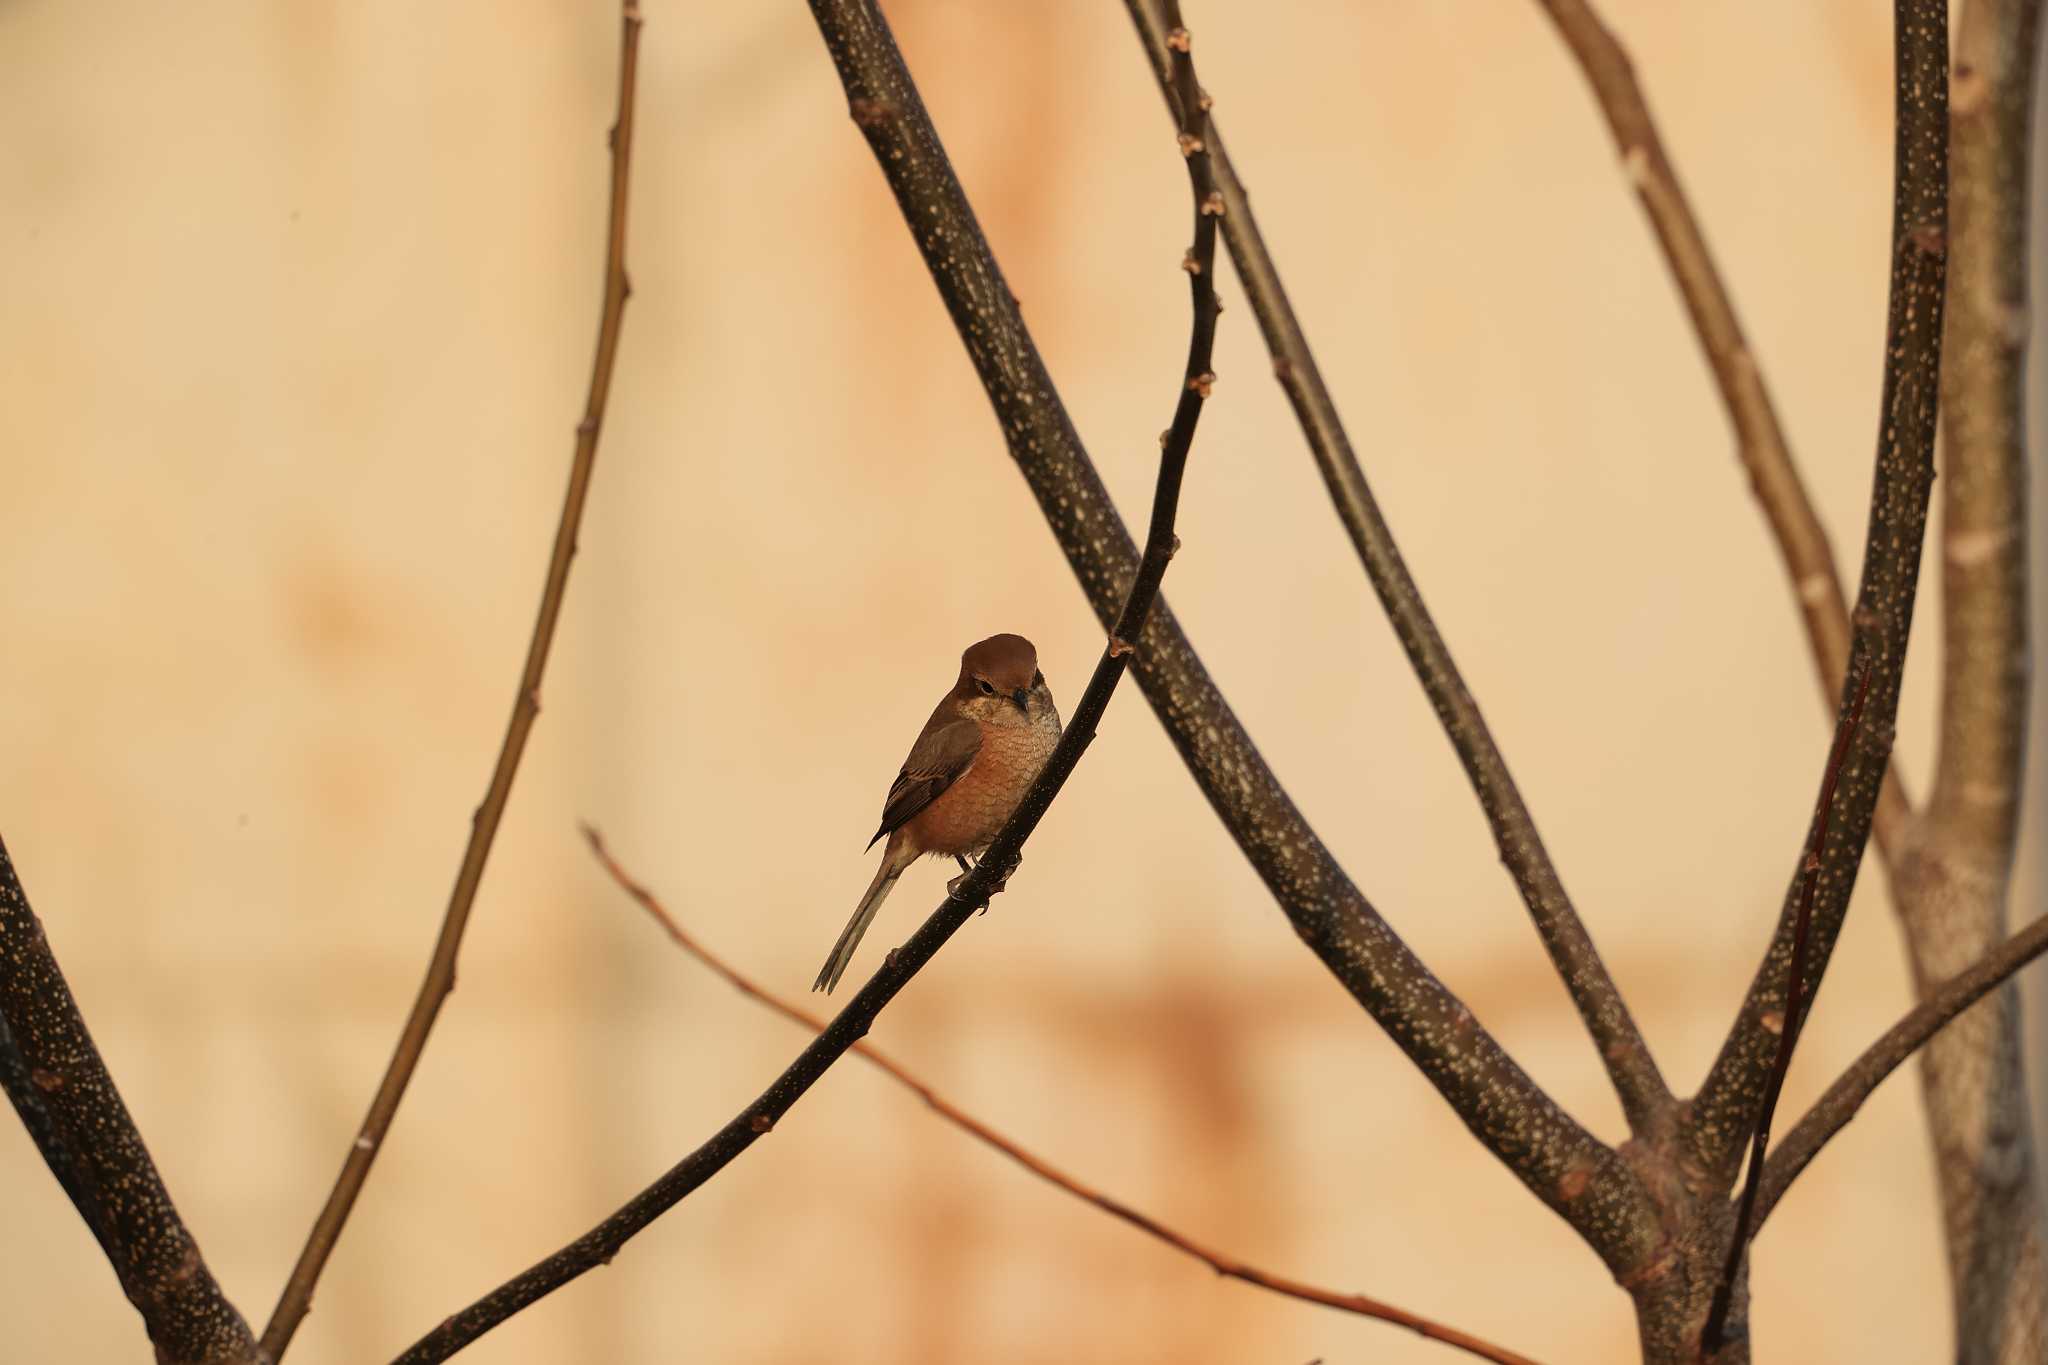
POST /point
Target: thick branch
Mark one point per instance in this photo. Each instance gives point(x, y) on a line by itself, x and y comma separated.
point(1724, 1114)
point(1955, 876)
point(1565, 1166)
point(1633, 1071)
point(17, 1081)
point(1832, 1111)
point(1220, 1262)
point(1973, 809)
point(440, 978)
point(601, 1243)
point(1759, 440)
point(68, 1101)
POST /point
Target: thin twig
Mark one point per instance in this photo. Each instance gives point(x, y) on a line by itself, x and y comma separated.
point(1833, 1110)
point(973, 890)
point(1577, 1176)
point(440, 978)
point(1645, 1098)
point(1794, 1020)
point(1759, 439)
point(1723, 1116)
point(69, 1103)
point(1220, 1262)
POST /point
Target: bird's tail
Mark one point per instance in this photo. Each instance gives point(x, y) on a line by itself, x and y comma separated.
point(863, 915)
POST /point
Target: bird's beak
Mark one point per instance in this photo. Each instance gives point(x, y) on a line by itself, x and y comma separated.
point(1023, 700)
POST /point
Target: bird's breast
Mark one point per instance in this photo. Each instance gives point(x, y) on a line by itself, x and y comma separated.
point(968, 814)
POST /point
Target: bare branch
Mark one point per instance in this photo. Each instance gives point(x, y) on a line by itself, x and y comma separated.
point(1644, 1096)
point(60, 1085)
point(17, 1081)
point(1833, 1110)
point(973, 890)
point(1724, 1114)
point(1759, 439)
point(1217, 1261)
point(440, 978)
point(1956, 872)
point(1974, 805)
point(1949, 871)
point(1789, 1026)
point(1572, 1172)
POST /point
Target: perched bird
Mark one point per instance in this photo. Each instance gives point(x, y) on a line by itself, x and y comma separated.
point(971, 766)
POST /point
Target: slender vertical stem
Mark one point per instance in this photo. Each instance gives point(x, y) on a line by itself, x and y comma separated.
point(1722, 1118)
point(1789, 1026)
point(440, 978)
point(1956, 875)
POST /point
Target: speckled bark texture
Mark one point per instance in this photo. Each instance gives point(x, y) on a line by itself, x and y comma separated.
point(1955, 875)
point(61, 1088)
point(1724, 1114)
point(1572, 1172)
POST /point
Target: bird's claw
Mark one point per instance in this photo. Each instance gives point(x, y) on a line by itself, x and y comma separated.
point(953, 890)
point(1002, 882)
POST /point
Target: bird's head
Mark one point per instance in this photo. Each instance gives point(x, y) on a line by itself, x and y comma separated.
point(1000, 683)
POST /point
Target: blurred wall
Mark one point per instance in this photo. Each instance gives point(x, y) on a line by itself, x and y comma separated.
point(298, 310)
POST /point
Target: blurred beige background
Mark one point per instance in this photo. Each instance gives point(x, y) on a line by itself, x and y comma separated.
point(299, 301)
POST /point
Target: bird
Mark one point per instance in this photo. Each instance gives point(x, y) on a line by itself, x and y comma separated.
point(966, 774)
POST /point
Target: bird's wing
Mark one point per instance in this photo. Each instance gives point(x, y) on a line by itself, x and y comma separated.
point(939, 758)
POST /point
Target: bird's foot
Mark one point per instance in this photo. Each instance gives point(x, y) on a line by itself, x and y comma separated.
point(953, 886)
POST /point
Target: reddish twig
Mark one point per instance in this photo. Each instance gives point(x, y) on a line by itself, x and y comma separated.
point(1217, 1261)
point(440, 978)
point(1788, 1036)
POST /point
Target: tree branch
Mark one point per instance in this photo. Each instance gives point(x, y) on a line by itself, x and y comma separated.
point(1956, 872)
point(1759, 440)
point(1724, 1114)
point(1573, 1173)
point(1789, 1027)
point(1645, 1098)
point(1833, 1110)
point(440, 978)
point(17, 1080)
point(68, 1101)
point(1974, 805)
point(601, 1243)
point(1217, 1261)
point(1949, 871)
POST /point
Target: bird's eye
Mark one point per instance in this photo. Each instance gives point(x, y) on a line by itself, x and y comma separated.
point(987, 690)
